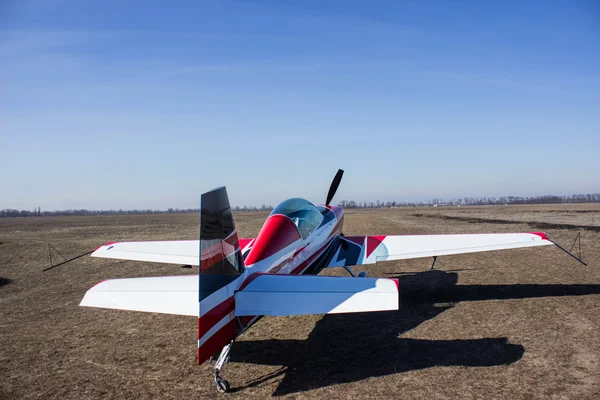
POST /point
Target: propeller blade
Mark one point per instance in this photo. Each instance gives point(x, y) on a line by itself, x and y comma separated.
point(334, 186)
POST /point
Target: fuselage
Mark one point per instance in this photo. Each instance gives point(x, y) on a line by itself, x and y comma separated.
point(282, 248)
point(297, 238)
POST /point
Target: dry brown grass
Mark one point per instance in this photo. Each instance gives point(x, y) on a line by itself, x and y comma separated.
point(513, 324)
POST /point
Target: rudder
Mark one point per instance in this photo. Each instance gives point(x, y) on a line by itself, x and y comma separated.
point(220, 264)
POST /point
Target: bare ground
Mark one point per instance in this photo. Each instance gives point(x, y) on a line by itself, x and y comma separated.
point(512, 324)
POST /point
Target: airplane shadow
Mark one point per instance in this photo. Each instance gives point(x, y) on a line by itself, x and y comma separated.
point(4, 281)
point(346, 348)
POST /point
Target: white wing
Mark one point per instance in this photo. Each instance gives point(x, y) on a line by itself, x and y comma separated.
point(357, 250)
point(183, 252)
point(165, 294)
point(171, 252)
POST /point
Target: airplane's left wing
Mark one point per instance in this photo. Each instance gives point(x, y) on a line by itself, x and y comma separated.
point(184, 252)
point(358, 250)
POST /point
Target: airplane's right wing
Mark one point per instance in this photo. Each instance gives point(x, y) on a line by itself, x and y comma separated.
point(358, 250)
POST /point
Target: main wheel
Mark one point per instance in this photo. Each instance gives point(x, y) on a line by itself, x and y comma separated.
point(222, 385)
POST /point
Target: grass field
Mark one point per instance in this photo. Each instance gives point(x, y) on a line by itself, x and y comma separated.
point(509, 324)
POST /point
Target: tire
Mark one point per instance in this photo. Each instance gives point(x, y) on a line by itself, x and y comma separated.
point(222, 385)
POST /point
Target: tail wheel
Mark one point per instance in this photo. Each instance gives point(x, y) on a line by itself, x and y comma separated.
point(222, 385)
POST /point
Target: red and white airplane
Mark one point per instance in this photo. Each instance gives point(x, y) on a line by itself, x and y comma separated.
point(241, 280)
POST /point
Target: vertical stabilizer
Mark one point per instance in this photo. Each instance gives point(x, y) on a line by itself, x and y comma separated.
point(220, 264)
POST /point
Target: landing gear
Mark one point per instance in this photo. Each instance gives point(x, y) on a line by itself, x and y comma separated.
point(222, 384)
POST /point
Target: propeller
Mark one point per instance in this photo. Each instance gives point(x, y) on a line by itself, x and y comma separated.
point(334, 186)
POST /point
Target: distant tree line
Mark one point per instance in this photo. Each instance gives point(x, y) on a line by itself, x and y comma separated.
point(465, 201)
point(263, 207)
point(37, 212)
point(478, 201)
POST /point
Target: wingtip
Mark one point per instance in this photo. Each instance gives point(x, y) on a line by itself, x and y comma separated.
point(101, 246)
point(106, 244)
point(541, 234)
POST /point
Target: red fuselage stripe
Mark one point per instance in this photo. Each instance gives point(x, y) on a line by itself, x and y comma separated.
point(245, 242)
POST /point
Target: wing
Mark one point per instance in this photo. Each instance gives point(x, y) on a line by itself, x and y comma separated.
point(166, 294)
point(183, 252)
point(358, 250)
point(270, 294)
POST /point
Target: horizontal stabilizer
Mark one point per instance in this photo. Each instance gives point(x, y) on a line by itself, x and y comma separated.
point(279, 295)
point(165, 294)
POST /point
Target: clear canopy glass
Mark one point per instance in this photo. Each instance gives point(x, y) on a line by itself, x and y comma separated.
point(302, 212)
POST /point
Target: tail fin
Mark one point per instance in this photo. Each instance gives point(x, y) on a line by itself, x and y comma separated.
point(220, 264)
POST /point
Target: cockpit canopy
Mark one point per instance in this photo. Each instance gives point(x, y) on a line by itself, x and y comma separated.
point(303, 213)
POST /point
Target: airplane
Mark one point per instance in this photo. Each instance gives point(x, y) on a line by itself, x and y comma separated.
point(241, 280)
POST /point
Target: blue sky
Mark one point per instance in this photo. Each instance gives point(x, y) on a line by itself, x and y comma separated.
point(144, 104)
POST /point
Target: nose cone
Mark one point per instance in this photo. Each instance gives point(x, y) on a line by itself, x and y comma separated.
point(277, 233)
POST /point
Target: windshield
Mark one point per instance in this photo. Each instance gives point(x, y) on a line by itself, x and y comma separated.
point(302, 212)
